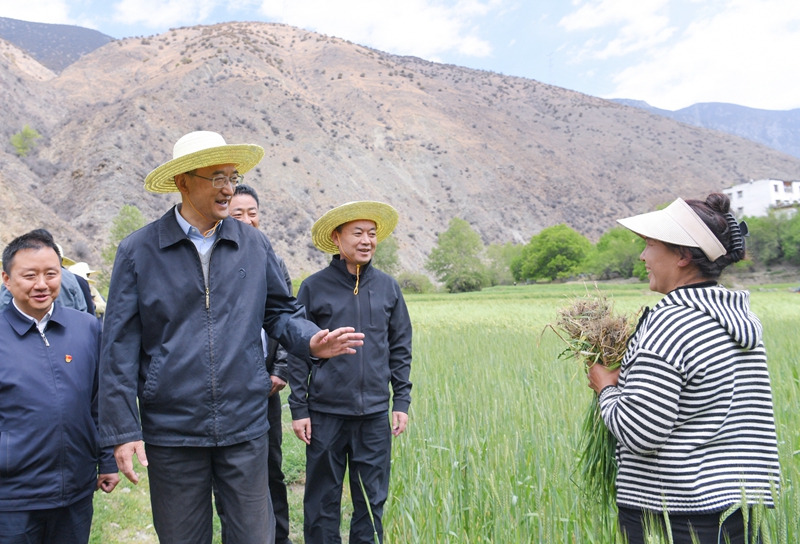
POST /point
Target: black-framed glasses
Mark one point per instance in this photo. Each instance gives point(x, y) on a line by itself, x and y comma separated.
point(218, 182)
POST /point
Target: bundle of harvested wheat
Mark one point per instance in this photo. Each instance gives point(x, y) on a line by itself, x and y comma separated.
point(594, 335)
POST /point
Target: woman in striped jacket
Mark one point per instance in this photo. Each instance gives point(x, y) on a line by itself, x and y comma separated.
point(691, 405)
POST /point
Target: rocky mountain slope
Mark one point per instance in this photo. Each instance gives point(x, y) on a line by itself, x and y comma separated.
point(776, 129)
point(55, 46)
point(343, 122)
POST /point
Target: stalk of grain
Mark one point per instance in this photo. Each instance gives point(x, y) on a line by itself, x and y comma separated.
point(594, 335)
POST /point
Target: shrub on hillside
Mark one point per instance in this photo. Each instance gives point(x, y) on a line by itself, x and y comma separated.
point(25, 140)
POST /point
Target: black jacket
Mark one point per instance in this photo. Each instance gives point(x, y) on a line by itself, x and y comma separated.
point(193, 357)
point(277, 355)
point(358, 384)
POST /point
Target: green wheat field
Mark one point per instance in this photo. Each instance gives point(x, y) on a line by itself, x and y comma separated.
point(490, 452)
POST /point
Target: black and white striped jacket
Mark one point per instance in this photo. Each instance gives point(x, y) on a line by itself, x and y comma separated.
point(692, 412)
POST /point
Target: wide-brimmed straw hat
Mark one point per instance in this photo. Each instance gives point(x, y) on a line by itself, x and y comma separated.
point(384, 216)
point(65, 261)
point(676, 224)
point(198, 150)
point(81, 269)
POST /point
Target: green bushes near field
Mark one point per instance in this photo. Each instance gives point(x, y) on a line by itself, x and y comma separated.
point(462, 263)
point(490, 452)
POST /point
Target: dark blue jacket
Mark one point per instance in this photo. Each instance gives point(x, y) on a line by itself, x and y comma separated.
point(357, 384)
point(49, 452)
point(193, 358)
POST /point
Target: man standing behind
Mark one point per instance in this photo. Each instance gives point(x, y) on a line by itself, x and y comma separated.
point(182, 365)
point(244, 207)
point(49, 450)
point(346, 405)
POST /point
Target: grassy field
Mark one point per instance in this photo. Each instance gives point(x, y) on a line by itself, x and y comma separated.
point(490, 452)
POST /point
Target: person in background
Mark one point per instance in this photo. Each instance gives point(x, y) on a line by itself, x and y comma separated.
point(182, 365)
point(49, 448)
point(82, 270)
point(341, 411)
point(244, 207)
point(691, 405)
point(73, 294)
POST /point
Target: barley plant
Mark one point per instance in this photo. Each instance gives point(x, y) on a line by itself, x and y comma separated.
point(491, 451)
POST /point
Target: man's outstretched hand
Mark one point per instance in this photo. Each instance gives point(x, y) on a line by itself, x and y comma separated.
point(326, 344)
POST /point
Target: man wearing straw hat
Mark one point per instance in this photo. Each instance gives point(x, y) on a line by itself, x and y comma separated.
point(182, 365)
point(82, 270)
point(341, 411)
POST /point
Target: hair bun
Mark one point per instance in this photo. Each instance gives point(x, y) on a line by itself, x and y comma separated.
point(719, 202)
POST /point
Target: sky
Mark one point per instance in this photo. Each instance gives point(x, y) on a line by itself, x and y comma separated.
point(669, 53)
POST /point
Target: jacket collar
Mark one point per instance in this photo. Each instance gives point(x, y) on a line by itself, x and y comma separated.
point(21, 324)
point(170, 232)
point(338, 263)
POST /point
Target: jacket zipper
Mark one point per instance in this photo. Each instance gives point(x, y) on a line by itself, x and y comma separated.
point(212, 369)
point(360, 352)
point(61, 415)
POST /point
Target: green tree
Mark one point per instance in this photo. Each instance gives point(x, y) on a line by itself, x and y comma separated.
point(128, 219)
point(25, 140)
point(791, 246)
point(411, 282)
point(616, 254)
point(499, 258)
point(766, 242)
point(555, 253)
point(456, 258)
point(386, 258)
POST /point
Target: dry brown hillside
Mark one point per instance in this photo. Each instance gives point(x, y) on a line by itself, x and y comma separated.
point(342, 122)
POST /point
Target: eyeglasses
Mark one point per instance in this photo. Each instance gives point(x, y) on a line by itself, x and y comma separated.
point(218, 182)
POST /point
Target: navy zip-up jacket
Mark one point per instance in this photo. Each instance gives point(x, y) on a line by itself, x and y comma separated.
point(355, 385)
point(193, 356)
point(49, 450)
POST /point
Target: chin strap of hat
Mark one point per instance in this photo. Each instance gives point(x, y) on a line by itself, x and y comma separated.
point(358, 266)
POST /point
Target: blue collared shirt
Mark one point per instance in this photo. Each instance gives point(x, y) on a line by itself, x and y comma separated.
point(202, 243)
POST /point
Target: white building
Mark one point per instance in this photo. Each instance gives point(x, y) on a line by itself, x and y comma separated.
point(753, 199)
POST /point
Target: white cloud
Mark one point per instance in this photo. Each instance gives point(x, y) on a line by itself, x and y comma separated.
point(164, 13)
point(423, 28)
point(642, 25)
point(38, 11)
point(745, 54)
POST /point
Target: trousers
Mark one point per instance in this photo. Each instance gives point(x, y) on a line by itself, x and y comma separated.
point(362, 445)
point(67, 525)
point(277, 484)
point(180, 492)
point(705, 527)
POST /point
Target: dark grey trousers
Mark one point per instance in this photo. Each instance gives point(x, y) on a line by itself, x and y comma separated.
point(180, 492)
point(277, 485)
point(364, 446)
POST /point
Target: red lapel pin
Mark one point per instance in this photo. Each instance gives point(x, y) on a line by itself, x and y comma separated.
point(68, 358)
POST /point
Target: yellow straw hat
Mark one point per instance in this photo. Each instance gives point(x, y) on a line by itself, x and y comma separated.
point(384, 216)
point(65, 261)
point(198, 150)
